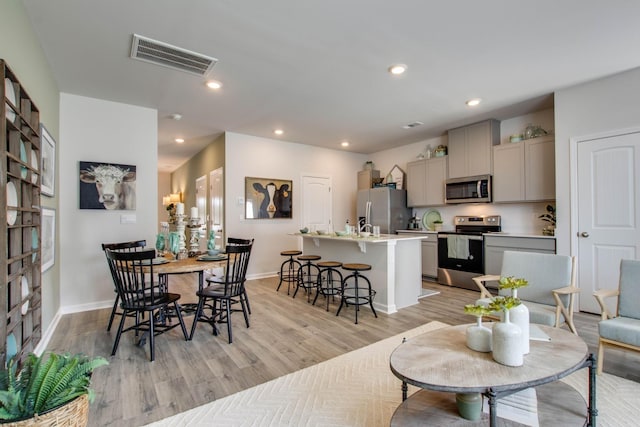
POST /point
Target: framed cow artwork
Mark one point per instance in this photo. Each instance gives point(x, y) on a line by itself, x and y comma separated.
point(107, 186)
point(266, 198)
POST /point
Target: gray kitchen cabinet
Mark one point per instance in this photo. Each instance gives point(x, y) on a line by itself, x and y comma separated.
point(495, 245)
point(365, 178)
point(524, 171)
point(430, 256)
point(429, 252)
point(425, 182)
point(469, 149)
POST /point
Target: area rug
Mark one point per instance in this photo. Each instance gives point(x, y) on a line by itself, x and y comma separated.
point(358, 389)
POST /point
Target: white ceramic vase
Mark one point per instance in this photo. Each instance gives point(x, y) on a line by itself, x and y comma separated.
point(479, 337)
point(506, 342)
point(520, 316)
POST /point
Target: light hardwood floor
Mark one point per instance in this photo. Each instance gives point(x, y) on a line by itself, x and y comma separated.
point(286, 335)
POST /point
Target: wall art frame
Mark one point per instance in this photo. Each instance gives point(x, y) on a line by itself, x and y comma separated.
point(109, 186)
point(268, 198)
point(47, 162)
point(48, 247)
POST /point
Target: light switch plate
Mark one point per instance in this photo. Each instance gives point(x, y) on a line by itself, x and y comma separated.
point(128, 219)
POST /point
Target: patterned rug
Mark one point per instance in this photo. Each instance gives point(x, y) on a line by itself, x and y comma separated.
point(358, 389)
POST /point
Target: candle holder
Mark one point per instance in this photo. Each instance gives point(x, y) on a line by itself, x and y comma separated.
point(180, 229)
point(194, 236)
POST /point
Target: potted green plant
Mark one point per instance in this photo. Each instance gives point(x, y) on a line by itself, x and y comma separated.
point(549, 217)
point(437, 225)
point(45, 387)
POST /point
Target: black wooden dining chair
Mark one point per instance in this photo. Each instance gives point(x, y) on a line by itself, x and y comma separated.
point(140, 293)
point(132, 246)
point(218, 298)
point(234, 241)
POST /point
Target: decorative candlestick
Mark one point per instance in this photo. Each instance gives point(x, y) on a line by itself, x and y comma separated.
point(180, 228)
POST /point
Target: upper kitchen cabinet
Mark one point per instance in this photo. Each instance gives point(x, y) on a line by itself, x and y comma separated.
point(470, 148)
point(425, 182)
point(524, 171)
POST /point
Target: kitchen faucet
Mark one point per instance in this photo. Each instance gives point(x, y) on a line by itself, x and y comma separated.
point(364, 226)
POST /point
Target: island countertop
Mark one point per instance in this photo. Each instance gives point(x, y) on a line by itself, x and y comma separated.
point(381, 239)
point(395, 262)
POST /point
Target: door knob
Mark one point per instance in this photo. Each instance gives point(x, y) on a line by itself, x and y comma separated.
point(584, 234)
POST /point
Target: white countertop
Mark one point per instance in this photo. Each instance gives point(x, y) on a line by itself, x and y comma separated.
point(371, 239)
point(419, 231)
point(505, 234)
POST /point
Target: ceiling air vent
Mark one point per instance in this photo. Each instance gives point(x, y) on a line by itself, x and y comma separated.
point(412, 125)
point(148, 50)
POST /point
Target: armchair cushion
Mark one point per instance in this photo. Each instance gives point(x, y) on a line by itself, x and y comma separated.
point(621, 329)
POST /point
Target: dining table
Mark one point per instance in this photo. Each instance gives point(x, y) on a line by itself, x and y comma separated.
point(166, 266)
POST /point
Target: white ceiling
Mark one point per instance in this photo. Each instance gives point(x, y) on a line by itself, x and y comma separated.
point(318, 69)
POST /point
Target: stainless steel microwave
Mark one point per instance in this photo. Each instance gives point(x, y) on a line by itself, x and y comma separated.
point(472, 189)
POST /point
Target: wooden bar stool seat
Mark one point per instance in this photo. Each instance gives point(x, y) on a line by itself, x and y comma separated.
point(289, 269)
point(329, 280)
point(356, 289)
point(308, 274)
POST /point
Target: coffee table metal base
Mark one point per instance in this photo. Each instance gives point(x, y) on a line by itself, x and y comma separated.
point(558, 404)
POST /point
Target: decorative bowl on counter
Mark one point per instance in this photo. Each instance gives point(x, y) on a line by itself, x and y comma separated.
point(365, 234)
point(321, 232)
point(341, 233)
point(304, 230)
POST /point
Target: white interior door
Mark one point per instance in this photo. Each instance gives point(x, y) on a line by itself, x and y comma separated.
point(316, 203)
point(216, 206)
point(608, 212)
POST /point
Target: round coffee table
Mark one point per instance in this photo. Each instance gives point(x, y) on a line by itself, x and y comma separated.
point(440, 361)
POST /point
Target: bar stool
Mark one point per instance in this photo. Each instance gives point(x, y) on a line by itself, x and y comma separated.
point(308, 274)
point(289, 269)
point(355, 292)
point(327, 279)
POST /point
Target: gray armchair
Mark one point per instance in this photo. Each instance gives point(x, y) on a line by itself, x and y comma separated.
point(550, 296)
point(621, 329)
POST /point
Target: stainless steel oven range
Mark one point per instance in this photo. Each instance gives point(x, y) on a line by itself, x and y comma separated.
point(461, 252)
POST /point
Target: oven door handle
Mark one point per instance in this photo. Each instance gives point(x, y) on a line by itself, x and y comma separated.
point(444, 236)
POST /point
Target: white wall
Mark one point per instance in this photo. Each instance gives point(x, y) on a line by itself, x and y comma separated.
point(269, 158)
point(607, 104)
point(101, 131)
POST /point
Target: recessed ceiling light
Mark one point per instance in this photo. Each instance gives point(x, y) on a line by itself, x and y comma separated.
point(397, 69)
point(473, 102)
point(176, 116)
point(179, 140)
point(214, 84)
point(345, 143)
point(278, 131)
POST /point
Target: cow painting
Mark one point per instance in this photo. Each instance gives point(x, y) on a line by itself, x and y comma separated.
point(268, 198)
point(107, 186)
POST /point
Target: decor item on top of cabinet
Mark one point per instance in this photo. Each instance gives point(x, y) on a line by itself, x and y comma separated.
point(267, 198)
point(441, 151)
point(108, 186)
point(550, 217)
point(506, 337)
point(478, 336)
point(368, 166)
point(533, 131)
point(516, 137)
point(395, 178)
point(48, 153)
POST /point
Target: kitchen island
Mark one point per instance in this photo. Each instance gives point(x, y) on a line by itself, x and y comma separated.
point(395, 261)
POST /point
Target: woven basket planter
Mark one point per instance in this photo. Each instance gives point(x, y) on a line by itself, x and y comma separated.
point(73, 414)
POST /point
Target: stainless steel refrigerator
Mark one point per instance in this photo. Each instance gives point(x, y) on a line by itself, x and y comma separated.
point(385, 207)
